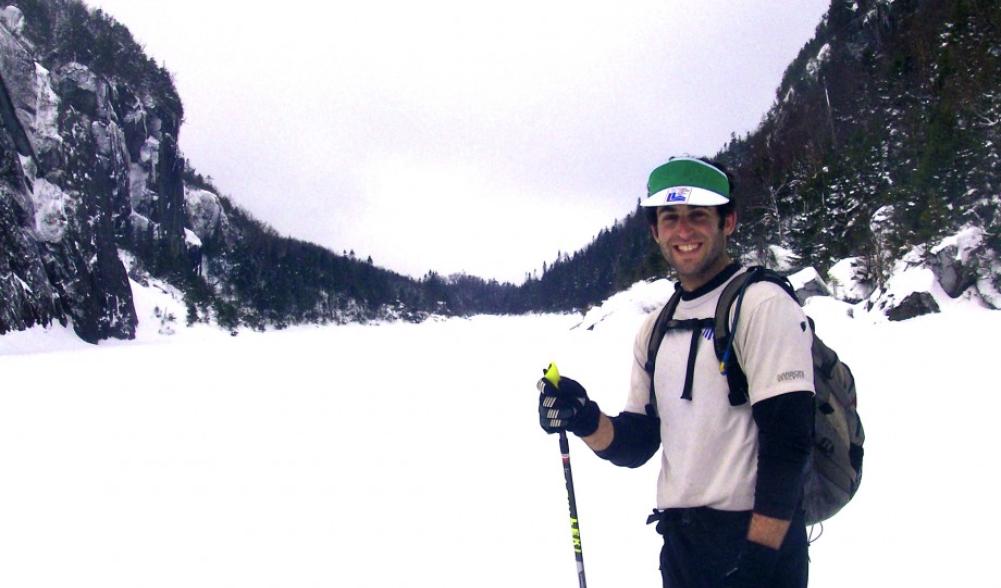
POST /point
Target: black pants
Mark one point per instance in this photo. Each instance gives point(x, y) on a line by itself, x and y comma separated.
point(701, 545)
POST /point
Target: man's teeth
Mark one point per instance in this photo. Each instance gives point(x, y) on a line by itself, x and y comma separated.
point(687, 248)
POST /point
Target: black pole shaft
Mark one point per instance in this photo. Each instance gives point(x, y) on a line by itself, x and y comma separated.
point(572, 499)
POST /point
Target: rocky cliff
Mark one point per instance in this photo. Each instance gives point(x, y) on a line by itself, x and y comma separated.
point(90, 169)
point(76, 149)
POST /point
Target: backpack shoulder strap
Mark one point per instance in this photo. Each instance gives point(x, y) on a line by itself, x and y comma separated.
point(774, 277)
point(735, 291)
point(724, 327)
point(656, 336)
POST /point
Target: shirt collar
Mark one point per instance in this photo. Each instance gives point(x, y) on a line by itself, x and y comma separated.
point(717, 281)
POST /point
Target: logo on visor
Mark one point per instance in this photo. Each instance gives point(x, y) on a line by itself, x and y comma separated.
point(679, 195)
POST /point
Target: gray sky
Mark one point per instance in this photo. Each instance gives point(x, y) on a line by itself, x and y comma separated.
point(454, 135)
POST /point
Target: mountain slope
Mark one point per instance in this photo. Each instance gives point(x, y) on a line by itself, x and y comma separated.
point(884, 136)
point(883, 139)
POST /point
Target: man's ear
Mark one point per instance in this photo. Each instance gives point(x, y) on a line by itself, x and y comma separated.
point(653, 233)
point(730, 223)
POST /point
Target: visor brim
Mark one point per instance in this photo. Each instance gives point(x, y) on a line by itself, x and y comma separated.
point(690, 195)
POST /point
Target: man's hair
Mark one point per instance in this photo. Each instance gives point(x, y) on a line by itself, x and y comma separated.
point(722, 209)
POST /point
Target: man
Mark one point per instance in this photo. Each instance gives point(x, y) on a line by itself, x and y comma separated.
point(730, 487)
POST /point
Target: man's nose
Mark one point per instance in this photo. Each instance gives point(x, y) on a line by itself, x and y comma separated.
point(684, 226)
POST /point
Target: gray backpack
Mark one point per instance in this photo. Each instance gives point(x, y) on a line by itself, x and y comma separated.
point(835, 470)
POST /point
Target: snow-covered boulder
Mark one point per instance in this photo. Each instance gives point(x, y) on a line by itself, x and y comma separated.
point(963, 261)
point(914, 304)
point(904, 281)
point(848, 282)
point(807, 283)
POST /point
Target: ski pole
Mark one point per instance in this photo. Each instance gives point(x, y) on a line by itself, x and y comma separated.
point(553, 375)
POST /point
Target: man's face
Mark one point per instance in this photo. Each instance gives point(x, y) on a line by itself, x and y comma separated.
point(692, 241)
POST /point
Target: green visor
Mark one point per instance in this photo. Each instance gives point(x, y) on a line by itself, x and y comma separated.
point(687, 181)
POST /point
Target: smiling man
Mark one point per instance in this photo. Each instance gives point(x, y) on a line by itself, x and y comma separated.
point(731, 480)
point(690, 223)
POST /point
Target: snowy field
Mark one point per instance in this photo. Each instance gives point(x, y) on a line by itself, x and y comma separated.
point(398, 455)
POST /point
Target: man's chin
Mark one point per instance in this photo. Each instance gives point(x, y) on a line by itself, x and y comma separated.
point(687, 267)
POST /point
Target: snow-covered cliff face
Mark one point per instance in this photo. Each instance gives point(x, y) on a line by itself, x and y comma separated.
point(89, 165)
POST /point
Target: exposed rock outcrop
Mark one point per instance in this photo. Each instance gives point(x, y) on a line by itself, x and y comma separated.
point(72, 185)
point(964, 261)
point(914, 304)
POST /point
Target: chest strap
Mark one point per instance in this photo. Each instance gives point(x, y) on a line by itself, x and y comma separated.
point(697, 327)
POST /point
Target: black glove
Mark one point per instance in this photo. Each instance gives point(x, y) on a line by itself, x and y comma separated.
point(754, 567)
point(567, 408)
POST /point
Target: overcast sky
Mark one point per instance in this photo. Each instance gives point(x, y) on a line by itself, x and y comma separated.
point(456, 135)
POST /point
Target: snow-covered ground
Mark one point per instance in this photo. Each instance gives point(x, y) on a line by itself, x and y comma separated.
point(397, 454)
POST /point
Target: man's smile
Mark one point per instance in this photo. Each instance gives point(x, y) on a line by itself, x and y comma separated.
point(687, 247)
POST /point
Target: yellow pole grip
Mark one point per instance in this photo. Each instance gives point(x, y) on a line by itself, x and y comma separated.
point(553, 374)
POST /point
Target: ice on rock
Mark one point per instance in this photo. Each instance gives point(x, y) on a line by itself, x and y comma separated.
point(51, 211)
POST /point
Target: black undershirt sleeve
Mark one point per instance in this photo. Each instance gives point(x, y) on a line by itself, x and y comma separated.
point(636, 439)
point(785, 439)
